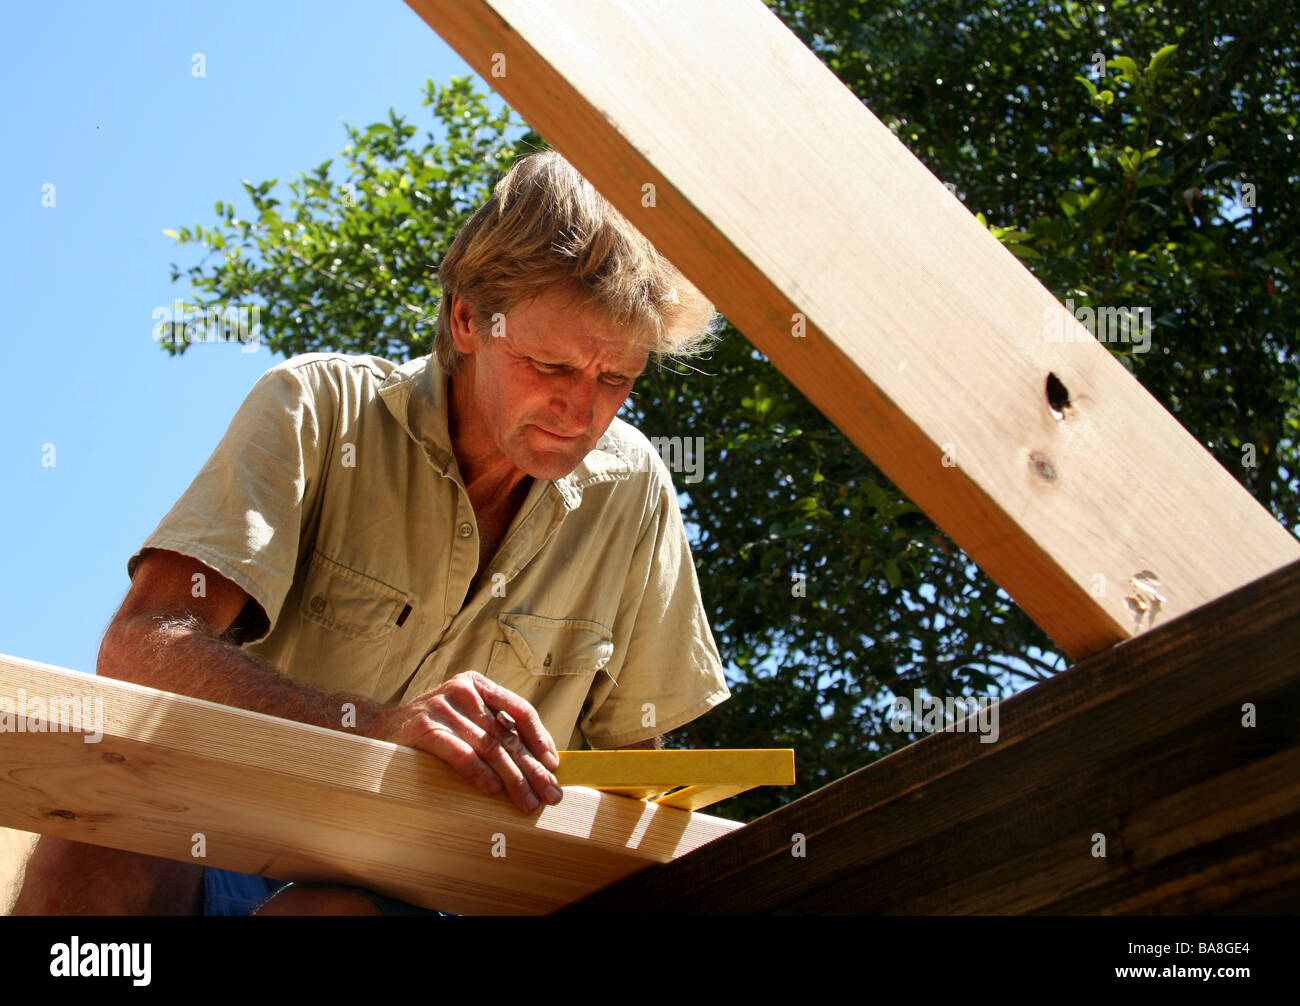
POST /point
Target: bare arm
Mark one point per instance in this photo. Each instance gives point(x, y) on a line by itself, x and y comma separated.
point(166, 638)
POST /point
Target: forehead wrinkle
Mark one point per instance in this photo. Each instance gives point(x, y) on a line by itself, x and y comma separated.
point(581, 350)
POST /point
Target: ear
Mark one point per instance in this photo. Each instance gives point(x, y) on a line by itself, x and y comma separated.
point(464, 331)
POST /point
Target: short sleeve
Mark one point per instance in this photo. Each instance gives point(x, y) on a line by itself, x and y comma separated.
point(669, 671)
point(243, 514)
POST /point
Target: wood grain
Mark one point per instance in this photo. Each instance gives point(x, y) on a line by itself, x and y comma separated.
point(1146, 745)
point(297, 802)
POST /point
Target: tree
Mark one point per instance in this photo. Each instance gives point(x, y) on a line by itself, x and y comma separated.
point(1158, 174)
point(352, 265)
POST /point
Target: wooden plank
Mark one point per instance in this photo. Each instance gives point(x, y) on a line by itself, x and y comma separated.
point(298, 802)
point(1225, 805)
point(780, 195)
point(1149, 745)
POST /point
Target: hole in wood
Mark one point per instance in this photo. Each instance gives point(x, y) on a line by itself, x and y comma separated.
point(1058, 396)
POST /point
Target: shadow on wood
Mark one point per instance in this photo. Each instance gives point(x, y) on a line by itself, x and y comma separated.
point(178, 777)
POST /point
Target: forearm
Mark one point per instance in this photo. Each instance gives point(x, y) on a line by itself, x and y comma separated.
point(175, 653)
point(455, 721)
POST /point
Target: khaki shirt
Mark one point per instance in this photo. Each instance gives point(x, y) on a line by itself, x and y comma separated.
point(334, 500)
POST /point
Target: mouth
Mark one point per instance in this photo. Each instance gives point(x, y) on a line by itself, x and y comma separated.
point(558, 436)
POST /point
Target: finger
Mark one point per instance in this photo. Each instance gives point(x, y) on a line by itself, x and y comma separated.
point(518, 771)
point(528, 724)
point(539, 779)
point(457, 752)
point(475, 750)
point(464, 705)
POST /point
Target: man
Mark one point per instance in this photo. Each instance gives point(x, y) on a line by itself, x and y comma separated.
point(466, 554)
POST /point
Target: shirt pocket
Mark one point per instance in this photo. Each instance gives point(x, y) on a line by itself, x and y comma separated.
point(539, 653)
point(550, 646)
point(349, 623)
point(353, 604)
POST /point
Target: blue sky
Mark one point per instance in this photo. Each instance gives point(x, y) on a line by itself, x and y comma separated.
point(104, 105)
point(101, 102)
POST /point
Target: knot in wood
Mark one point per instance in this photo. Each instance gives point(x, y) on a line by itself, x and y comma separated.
point(1042, 466)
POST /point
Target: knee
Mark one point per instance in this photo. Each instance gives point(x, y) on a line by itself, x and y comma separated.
point(319, 899)
point(64, 877)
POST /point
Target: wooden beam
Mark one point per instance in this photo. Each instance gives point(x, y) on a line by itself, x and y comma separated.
point(172, 775)
point(779, 194)
point(1180, 751)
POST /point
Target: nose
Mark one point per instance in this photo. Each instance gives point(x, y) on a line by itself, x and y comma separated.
point(575, 404)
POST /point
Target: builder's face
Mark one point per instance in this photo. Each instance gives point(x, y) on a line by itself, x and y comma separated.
point(547, 384)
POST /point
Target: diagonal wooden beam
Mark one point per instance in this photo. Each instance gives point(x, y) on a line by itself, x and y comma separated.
point(175, 776)
point(836, 252)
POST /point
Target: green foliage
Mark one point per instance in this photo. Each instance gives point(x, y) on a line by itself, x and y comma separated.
point(352, 266)
point(1124, 187)
point(1130, 154)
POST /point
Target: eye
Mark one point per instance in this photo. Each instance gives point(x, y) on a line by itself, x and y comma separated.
point(547, 368)
point(616, 380)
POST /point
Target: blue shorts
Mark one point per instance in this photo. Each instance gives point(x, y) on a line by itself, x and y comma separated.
point(229, 893)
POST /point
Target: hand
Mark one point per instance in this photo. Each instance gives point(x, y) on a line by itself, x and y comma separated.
point(457, 722)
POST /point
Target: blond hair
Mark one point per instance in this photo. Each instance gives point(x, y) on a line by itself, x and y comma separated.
point(545, 227)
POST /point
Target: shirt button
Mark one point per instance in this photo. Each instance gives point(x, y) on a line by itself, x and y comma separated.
point(465, 530)
point(317, 604)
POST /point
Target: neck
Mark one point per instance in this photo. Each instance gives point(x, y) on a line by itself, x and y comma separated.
point(491, 481)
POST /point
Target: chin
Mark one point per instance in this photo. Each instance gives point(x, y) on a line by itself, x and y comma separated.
point(550, 468)
point(543, 464)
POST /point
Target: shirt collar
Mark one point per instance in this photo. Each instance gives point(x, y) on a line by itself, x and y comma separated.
point(416, 394)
